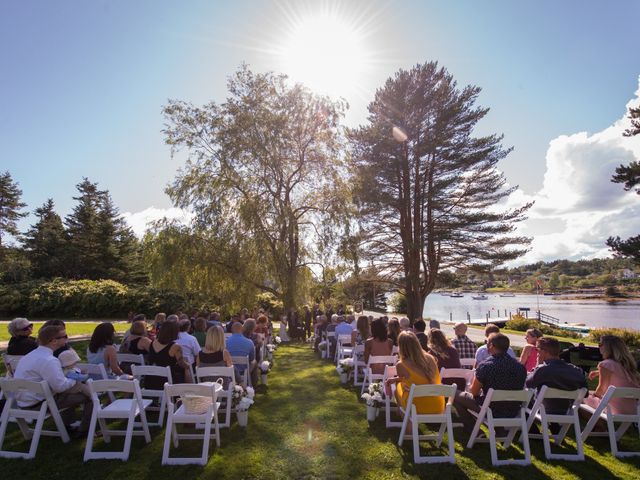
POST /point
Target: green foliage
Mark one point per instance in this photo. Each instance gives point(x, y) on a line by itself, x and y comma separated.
point(45, 243)
point(522, 324)
point(630, 337)
point(10, 206)
point(398, 302)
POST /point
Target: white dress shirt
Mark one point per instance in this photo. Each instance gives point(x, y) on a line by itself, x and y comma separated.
point(190, 346)
point(38, 365)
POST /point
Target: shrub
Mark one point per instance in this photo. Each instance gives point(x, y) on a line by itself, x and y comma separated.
point(398, 302)
point(522, 324)
point(630, 337)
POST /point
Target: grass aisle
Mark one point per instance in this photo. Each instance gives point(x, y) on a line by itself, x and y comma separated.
point(306, 425)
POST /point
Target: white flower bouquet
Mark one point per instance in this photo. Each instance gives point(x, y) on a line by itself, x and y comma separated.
point(242, 398)
point(373, 397)
point(277, 339)
point(265, 366)
point(271, 347)
point(345, 366)
point(311, 339)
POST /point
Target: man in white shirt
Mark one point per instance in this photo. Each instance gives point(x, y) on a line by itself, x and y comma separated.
point(40, 364)
point(483, 352)
point(189, 343)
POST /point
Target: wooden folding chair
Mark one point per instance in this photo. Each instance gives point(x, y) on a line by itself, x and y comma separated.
point(139, 373)
point(122, 409)
point(443, 420)
point(485, 416)
point(568, 419)
point(225, 395)
point(605, 412)
point(12, 412)
point(177, 399)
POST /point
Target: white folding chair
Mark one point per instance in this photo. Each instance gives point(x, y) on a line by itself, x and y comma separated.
point(177, 398)
point(123, 408)
point(468, 362)
point(12, 412)
point(97, 372)
point(129, 359)
point(443, 420)
point(11, 363)
point(343, 348)
point(330, 335)
point(359, 366)
point(463, 373)
point(568, 419)
point(395, 350)
point(485, 416)
point(141, 371)
point(390, 404)
point(605, 412)
point(369, 376)
point(225, 396)
point(239, 361)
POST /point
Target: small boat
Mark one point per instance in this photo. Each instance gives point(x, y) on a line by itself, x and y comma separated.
point(456, 295)
point(508, 294)
point(482, 296)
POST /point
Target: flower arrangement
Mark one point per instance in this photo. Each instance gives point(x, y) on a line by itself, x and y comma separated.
point(242, 398)
point(345, 366)
point(322, 345)
point(265, 366)
point(311, 339)
point(277, 339)
point(270, 347)
point(374, 396)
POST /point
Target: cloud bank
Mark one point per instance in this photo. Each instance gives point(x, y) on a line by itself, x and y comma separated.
point(578, 198)
point(140, 221)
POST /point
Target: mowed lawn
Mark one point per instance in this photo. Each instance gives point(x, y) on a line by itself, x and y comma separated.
point(304, 424)
point(73, 328)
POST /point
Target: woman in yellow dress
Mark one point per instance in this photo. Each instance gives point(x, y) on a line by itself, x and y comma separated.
point(416, 367)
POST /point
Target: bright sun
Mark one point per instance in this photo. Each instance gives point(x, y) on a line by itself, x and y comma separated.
point(325, 53)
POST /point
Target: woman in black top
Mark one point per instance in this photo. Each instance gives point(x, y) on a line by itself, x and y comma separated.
point(164, 352)
point(21, 341)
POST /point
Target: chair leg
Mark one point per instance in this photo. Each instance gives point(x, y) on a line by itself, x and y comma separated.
point(545, 439)
point(452, 447)
point(91, 435)
point(403, 429)
point(415, 437)
point(612, 435)
point(37, 431)
point(128, 437)
point(579, 445)
point(205, 442)
point(167, 440)
point(145, 426)
point(525, 440)
point(492, 443)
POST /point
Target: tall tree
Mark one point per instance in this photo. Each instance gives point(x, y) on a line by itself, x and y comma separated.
point(45, 243)
point(629, 176)
point(428, 190)
point(10, 206)
point(262, 164)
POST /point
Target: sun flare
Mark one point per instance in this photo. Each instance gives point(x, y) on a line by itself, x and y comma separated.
point(326, 53)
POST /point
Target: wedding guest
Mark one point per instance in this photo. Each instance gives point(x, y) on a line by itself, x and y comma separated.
point(214, 320)
point(618, 369)
point(262, 326)
point(499, 371)
point(440, 347)
point(405, 324)
point(101, 349)
point(214, 353)
point(200, 330)
point(464, 345)
point(362, 332)
point(529, 355)
point(416, 367)
point(249, 332)
point(378, 345)
point(165, 352)
point(159, 319)
point(240, 346)
point(187, 342)
point(393, 327)
point(343, 327)
point(483, 352)
point(57, 323)
point(419, 328)
point(21, 341)
point(137, 342)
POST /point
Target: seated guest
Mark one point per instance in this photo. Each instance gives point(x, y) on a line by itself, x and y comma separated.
point(419, 328)
point(362, 332)
point(464, 345)
point(618, 369)
point(188, 343)
point(405, 324)
point(57, 323)
point(262, 326)
point(249, 328)
point(416, 367)
point(200, 330)
point(343, 327)
point(331, 328)
point(214, 320)
point(159, 319)
point(137, 342)
point(499, 371)
point(433, 323)
point(320, 329)
point(240, 346)
point(393, 329)
point(21, 341)
point(378, 345)
point(529, 355)
point(213, 354)
point(164, 351)
point(101, 349)
point(483, 352)
point(440, 347)
point(554, 373)
point(39, 365)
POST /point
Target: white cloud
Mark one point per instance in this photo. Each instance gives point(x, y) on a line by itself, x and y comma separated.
point(139, 221)
point(578, 197)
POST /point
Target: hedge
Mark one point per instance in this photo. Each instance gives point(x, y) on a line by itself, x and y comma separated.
point(522, 324)
point(630, 337)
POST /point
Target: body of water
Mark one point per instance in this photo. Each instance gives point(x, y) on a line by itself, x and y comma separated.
point(593, 313)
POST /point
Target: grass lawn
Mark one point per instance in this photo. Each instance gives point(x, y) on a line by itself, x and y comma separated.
point(306, 425)
point(575, 341)
point(73, 328)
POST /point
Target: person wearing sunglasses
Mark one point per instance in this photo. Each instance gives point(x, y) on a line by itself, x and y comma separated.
point(21, 341)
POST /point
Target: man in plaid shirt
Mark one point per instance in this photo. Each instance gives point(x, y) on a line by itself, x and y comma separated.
point(463, 344)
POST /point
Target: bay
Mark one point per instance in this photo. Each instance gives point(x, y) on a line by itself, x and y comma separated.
point(591, 312)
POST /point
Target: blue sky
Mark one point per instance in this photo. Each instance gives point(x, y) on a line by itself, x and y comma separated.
point(82, 83)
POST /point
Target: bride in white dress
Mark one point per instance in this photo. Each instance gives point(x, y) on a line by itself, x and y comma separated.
point(283, 329)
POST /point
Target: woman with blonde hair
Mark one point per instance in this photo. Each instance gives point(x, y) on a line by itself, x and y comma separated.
point(618, 369)
point(416, 367)
point(214, 353)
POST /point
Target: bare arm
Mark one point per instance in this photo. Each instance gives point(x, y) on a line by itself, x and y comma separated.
point(176, 352)
point(367, 350)
point(475, 388)
point(603, 382)
point(526, 351)
point(227, 358)
point(111, 359)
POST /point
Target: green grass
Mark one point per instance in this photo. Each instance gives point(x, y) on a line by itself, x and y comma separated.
point(306, 425)
point(575, 341)
point(73, 328)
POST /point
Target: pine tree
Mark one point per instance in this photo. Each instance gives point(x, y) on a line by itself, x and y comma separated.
point(46, 243)
point(10, 206)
